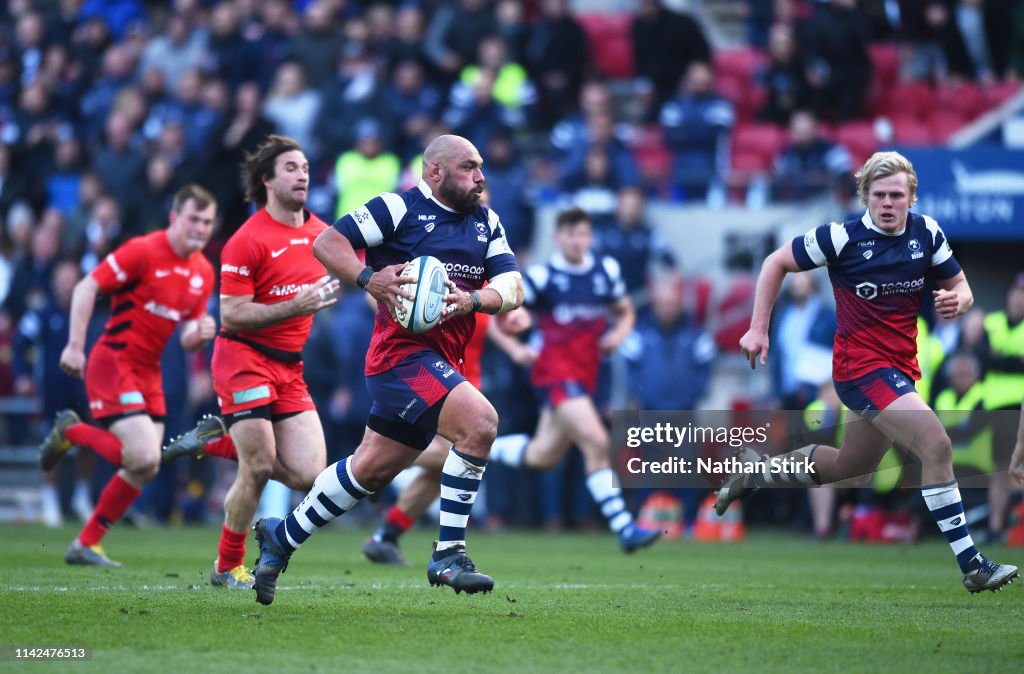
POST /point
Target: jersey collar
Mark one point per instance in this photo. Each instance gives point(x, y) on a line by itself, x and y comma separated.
point(866, 220)
point(559, 262)
point(429, 194)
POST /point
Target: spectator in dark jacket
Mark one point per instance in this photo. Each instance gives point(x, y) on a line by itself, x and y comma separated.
point(665, 43)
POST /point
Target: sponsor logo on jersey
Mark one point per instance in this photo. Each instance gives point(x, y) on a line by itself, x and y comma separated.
point(867, 254)
point(162, 311)
point(300, 242)
point(162, 273)
point(466, 271)
point(915, 249)
point(250, 394)
point(196, 281)
point(243, 271)
point(869, 291)
point(440, 366)
point(863, 244)
point(278, 253)
point(423, 217)
point(568, 313)
point(809, 240)
point(288, 289)
point(228, 268)
point(118, 272)
point(183, 271)
point(131, 398)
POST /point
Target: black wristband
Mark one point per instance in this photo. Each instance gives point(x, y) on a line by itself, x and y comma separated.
point(475, 297)
point(364, 277)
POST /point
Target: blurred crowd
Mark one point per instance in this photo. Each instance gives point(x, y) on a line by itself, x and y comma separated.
point(107, 107)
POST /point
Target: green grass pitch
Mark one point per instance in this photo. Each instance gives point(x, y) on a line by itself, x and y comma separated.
point(562, 603)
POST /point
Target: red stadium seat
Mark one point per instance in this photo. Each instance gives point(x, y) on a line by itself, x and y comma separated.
point(885, 58)
point(911, 132)
point(738, 63)
point(766, 140)
point(996, 94)
point(611, 43)
point(908, 99)
point(653, 158)
point(944, 124)
point(857, 137)
point(965, 100)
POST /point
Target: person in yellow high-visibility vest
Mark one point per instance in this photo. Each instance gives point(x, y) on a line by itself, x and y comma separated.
point(1017, 460)
point(961, 410)
point(1004, 389)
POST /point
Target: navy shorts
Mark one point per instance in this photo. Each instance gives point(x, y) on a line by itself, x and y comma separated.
point(405, 396)
point(872, 393)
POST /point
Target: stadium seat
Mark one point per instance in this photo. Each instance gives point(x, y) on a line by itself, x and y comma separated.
point(738, 63)
point(885, 58)
point(911, 132)
point(944, 124)
point(859, 138)
point(908, 99)
point(731, 318)
point(964, 99)
point(766, 140)
point(652, 157)
point(996, 94)
point(611, 43)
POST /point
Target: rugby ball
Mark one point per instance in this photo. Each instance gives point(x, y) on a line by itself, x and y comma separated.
point(429, 285)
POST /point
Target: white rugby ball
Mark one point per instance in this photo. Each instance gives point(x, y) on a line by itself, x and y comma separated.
point(430, 286)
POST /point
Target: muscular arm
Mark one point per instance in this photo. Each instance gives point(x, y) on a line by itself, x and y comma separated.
point(335, 252)
point(238, 313)
point(769, 282)
point(954, 296)
point(83, 302)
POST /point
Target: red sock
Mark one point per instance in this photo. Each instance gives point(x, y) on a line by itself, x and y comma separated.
point(231, 551)
point(397, 518)
point(114, 500)
point(224, 447)
point(101, 441)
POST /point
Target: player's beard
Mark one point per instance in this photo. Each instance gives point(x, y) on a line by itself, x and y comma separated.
point(288, 199)
point(460, 201)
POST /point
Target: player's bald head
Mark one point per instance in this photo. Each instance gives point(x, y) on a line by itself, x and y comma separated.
point(444, 149)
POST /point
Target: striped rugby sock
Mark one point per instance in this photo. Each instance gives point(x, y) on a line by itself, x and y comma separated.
point(335, 492)
point(943, 501)
point(460, 481)
point(609, 498)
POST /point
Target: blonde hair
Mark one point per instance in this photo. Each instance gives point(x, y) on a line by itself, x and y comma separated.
point(883, 165)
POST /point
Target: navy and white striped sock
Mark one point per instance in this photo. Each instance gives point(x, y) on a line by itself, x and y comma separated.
point(943, 501)
point(609, 498)
point(460, 481)
point(335, 492)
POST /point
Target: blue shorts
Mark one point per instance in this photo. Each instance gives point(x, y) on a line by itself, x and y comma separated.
point(872, 393)
point(403, 396)
point(553, 395)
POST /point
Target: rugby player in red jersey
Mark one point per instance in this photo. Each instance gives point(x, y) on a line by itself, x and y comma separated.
point(155, 282)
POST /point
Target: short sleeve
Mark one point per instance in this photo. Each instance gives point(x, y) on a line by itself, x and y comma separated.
point(124, 265)
point(236, 268)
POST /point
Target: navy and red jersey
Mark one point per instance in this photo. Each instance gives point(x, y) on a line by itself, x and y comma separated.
point(272, 262)
point(571, 304)
point(878, 280)
point(151, 289)
point(395, 228)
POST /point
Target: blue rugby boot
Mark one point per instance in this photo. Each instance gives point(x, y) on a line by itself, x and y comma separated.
point(271, 562)
point(457, 571)
point(634, 537)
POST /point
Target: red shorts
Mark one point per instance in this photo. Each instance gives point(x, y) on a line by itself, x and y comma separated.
point(117, 386)
point(245, 379)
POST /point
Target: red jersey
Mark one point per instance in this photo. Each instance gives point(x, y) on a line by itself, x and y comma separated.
point(475, 349)
point(273, 262)
point(152, 289)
